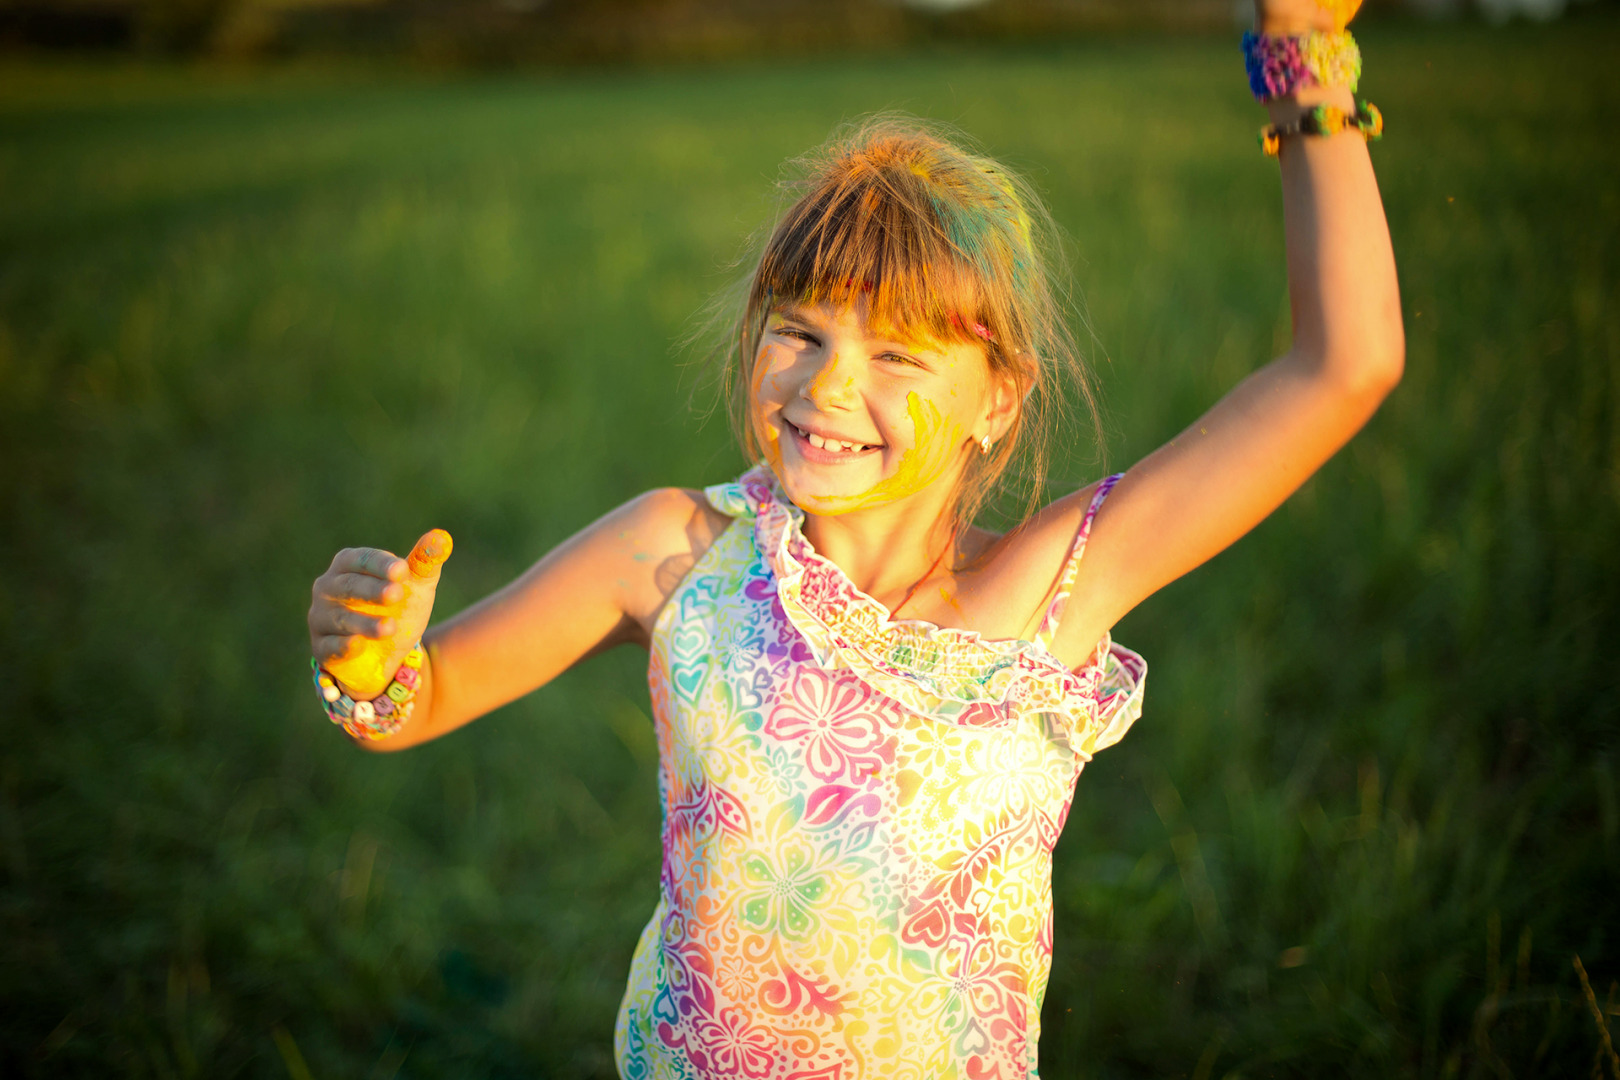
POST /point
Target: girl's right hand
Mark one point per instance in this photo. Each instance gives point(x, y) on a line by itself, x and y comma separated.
point(370, 608)
point(1301, 16)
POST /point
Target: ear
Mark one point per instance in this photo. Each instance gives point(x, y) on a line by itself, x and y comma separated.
point(1008, 391)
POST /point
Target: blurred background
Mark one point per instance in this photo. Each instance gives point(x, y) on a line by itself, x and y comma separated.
point(282, 276)
point(483, 32)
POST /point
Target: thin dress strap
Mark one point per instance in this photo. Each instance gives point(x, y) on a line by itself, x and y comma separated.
point(1054, 610)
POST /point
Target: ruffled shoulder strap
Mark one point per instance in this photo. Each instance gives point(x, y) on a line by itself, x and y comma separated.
point(743, 496)
point(951, 675)
point(1054, 610)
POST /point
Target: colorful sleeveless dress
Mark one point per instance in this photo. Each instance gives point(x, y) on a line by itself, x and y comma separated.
point(858, 821)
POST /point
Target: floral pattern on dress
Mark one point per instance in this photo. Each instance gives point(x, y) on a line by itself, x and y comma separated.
point(859, 817)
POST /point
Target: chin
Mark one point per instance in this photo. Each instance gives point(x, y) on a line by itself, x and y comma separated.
point(829, 505)
point(820, 498)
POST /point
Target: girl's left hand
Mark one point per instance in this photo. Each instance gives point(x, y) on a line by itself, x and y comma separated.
point(1300, 16)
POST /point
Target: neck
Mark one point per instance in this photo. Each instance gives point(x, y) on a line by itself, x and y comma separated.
point(887, 550)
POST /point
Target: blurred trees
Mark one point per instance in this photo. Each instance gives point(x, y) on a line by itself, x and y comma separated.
point(526, 31)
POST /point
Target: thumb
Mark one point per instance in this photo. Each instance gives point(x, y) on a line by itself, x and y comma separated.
point(429, 553)
point(1339, 13)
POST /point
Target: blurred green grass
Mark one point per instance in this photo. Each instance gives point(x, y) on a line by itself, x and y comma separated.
point(1368, 818)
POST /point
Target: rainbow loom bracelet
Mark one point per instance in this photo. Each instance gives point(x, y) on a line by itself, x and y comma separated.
point(1325, 120)
point(384, 714)
point(1278, 65)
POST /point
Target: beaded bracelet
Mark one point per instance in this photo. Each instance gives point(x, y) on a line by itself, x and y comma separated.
point(1325, 120)
point(384, 714)
point(1279, 65)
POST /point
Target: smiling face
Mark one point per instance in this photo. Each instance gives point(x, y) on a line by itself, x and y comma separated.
point(850, 419)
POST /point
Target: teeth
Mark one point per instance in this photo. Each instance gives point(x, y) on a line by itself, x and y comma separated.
point(836, 446)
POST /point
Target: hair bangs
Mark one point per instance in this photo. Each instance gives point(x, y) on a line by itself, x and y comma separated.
point(877, 241)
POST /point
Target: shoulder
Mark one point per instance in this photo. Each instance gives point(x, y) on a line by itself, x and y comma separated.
point(662, 534)
point(1050, 532)
point(681, 515)
point(1023, 568)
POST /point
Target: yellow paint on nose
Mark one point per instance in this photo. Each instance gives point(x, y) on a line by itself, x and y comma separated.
point(819, 381)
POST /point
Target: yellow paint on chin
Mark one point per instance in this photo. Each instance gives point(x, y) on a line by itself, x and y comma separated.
point(931, 448)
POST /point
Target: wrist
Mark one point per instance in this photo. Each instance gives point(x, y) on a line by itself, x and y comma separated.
point(358, 691)
point(1290, 26)
point(1297, 17)
point(1286, 110)
point(1325, 120)
point(1281, 66)
point(378, 716)
point(1304, 67)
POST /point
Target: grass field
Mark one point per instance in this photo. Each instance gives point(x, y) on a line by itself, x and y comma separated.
point(1368, 820)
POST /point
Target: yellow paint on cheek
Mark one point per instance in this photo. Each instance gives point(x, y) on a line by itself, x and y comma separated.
point(923, 464)
point(767, 435)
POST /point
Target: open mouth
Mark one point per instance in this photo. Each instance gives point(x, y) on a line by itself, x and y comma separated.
point(837, 447)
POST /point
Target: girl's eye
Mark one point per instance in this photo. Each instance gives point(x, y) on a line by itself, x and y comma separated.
point(900, 358)
point(795, 333)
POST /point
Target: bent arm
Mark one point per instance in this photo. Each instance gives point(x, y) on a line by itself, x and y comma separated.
point(1199, 493)
point(602, 587)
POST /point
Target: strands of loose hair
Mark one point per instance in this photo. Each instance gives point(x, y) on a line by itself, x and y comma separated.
point(941, 244)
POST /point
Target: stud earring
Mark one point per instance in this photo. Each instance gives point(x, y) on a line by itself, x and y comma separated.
point(984, 445)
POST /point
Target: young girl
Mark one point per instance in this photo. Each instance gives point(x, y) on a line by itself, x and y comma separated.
point(871, 713)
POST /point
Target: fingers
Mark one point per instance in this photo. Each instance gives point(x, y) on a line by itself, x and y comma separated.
point(363, 587)
point(343, 621)
point(425, 559)
point(1292, 17)
point(360, 595)
point(373, 562)
point(1339, 13)
point(329, 648)
point(429, 553)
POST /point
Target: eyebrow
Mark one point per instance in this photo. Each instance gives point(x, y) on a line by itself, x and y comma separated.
point(789, 310)
point(793, 311)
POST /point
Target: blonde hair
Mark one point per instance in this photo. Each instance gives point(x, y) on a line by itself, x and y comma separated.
point(943, 244)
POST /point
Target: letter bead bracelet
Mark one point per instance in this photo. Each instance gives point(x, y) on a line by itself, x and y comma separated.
point(1325, 120)
point(384, 714)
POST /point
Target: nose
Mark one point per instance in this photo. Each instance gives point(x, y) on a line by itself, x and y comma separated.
point(829, 385)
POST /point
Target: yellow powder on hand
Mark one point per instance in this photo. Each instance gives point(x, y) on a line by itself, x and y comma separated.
point(1341, 10)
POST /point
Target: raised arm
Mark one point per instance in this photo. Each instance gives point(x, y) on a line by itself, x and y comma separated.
point(602, 587)
point(1214, 482)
